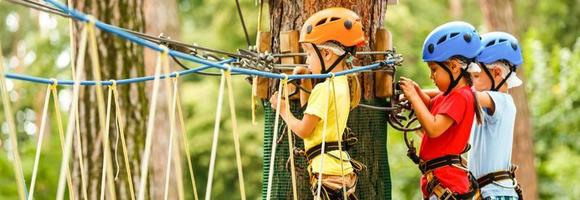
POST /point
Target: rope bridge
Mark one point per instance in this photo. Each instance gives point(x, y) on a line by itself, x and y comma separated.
point(227, 66)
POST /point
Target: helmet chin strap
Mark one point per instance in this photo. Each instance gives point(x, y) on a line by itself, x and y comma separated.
point(493, 87)
point(322, 65)
point(454, 82)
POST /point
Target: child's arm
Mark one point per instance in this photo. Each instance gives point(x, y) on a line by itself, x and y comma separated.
point(434, 126)
point(485, 101)
point(305, 83)
point(303, 128)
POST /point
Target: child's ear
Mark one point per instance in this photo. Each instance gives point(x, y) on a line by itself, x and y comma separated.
point(496, 71)
point(326, 54)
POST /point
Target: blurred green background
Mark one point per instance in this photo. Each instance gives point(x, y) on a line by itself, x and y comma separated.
point(37, 44)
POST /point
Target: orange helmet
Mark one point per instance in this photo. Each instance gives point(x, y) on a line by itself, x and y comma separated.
point(333, 24)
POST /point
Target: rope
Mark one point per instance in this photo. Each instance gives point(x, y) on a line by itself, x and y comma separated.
point(243, 23)
point(235, 133)
point(176, 154)
point(185, 143)
point(121, 132)
point(344, 195)
point(53, 88)
point(323, 149)
point(253, 100)
point(171, 104)
point(274, 143)
point(150, 125)
point(290, 143)
point(215, 136)
point(72, 43)
point(103, 122)
point(39, 143)
point(73, 110)
point(21, 185)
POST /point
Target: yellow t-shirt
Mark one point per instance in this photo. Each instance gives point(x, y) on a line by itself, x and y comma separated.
point(320, 99)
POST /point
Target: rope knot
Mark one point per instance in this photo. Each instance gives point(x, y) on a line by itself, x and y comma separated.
point(91, 20)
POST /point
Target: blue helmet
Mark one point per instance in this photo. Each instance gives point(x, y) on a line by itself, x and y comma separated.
point(456, 38)
point(500, 46)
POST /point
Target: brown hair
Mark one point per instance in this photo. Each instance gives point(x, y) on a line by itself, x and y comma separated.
point(467, 76)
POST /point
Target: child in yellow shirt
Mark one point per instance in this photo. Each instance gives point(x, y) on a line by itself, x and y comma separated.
point(328, 37)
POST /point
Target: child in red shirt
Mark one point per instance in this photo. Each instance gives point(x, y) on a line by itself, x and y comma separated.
point(446, 119)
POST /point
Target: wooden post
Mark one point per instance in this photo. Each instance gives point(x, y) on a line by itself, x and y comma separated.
point(289, 44)
point(384, 78)
point(261, 90)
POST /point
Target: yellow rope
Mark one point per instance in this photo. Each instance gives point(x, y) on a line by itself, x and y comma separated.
point(290, 140)
point(176, 154)
point(73, 110)
point(53, 88)
point(254, 92)
point(150, 125)
point(12, 133)
point(171, 104)
point(323, 149)
point(344, 195)
point(72, 43)
point(216, 130)
point(235, 132)
point(274, 143)
point(39, 143)
point(121, 132)
point(96, 70)
point(185, 143)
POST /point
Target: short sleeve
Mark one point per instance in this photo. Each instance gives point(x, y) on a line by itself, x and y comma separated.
point(499, 102)
point(318, 101)
point(454, 106)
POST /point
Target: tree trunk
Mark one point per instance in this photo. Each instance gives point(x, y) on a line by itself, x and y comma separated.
point(456, 9)
point(369, 125)
point(498, 16)
point(160, 17)
point(118, 59)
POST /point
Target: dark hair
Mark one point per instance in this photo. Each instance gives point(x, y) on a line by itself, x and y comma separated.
point(476, 106)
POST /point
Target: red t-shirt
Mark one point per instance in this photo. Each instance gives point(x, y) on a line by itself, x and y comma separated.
point(458, 105)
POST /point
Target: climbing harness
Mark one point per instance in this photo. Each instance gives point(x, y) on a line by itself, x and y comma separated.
point(494, 177)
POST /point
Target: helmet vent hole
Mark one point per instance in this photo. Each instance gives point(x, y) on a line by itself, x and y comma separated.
point(453, 35)
point(348, 24)
point(441, 39)
point(501, 40)
point(490, 43)
point(309, 29)
point(320, 22)
point(334, 19)
point(431, 48)
point(514, 46)
point(467, 37)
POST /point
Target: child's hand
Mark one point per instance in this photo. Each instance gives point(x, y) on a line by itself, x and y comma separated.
point(300, 70)
point(409, 88)
point(274, 102)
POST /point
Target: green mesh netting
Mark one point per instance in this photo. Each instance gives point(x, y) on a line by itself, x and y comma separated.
point(370, 127)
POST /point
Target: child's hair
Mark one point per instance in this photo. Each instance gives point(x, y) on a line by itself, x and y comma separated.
point(353, 83)
point(463, 61)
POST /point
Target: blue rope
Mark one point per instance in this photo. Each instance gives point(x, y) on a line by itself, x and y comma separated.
point(115, 30)
point(119, 82)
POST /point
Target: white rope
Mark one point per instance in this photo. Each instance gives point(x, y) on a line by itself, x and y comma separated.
point(290, 142)
point(216, 130)
point(274, 144)
point(73, 109)
point(18, 175)
point(39, 143)
point(323, 149)
point(344, 195)
point(150, 126)
point(235, 132)
point(171, 105)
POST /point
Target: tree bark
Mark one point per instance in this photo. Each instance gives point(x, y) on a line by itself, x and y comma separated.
point(161, 17)
point(118, 59)
point(498, 16)
point(369, 125)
